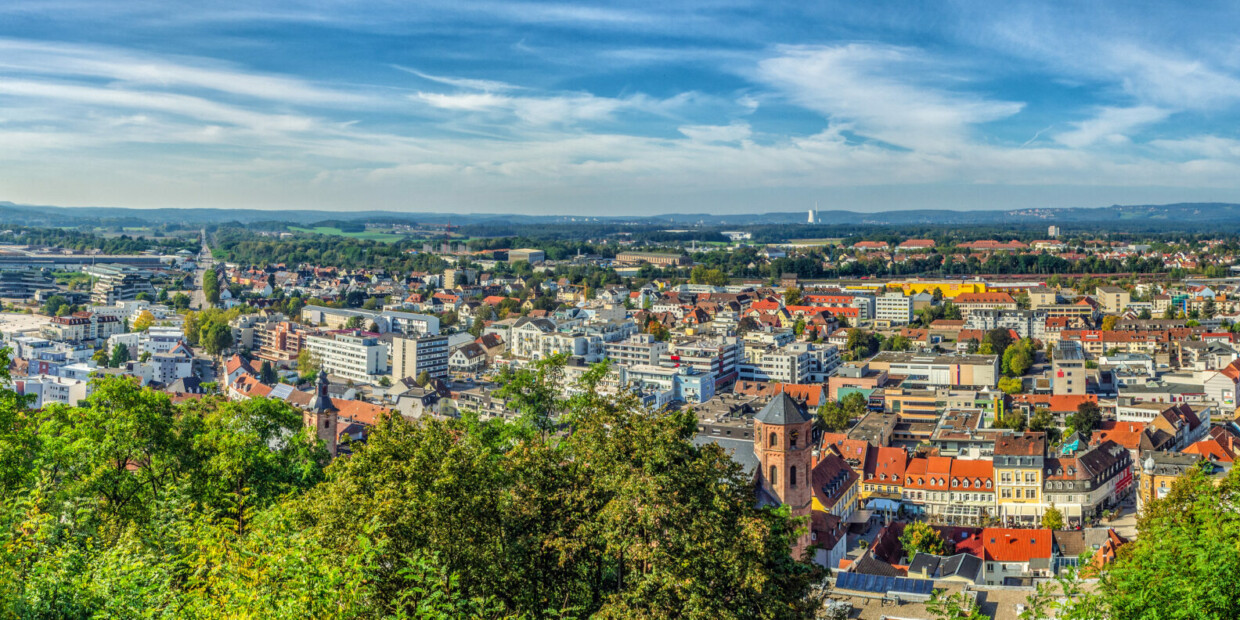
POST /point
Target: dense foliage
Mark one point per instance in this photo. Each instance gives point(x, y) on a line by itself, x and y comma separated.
point(132, 506)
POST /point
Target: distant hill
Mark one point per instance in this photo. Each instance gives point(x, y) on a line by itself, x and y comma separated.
point(1226, 216)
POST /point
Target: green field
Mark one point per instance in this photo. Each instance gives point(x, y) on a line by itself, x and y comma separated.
point(371, 235)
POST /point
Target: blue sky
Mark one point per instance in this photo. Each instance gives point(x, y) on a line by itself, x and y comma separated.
point(582, 108)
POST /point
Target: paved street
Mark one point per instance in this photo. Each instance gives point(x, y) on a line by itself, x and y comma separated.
point(198, 300)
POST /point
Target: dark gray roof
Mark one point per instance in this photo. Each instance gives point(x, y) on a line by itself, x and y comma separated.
point(782, 410)
point(741, 450)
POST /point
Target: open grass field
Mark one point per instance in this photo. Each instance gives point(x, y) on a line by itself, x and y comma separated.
point(372, 235)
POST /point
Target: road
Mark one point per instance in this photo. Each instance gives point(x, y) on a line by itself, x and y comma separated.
point(199, 299)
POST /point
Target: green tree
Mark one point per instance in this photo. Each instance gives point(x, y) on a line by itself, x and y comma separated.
point(211, 286)
point(792, 296)
point(308, 364)
point(612, 518)
point(52, 304)
point(1014, 420)
point(267, 373)
point(1184, 564)
point(1011, 385)
point(355, 322)
point(854, 404)
point(955, 606)
point(999, 339)
point(833, 417)
point(120, 355)
point(919, 537)
point(1043, 422)
point(215, 337)
point(1087, 418)
point(144, 321)
point(1052, 519)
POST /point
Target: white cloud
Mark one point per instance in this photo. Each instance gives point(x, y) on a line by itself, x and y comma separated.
point(466, 83)
point(879, 90)
point(1110, 126)
point(717, 133)
point(64, 61)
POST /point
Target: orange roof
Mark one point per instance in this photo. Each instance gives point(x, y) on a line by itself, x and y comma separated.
point(1127, 434)
point(1055, 404)
point(979, 470)
point(1013, 545)
point(1212, 448)
point(886, 465)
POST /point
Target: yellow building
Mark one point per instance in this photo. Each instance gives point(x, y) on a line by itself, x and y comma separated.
point(950, 288)
point(1018, 461)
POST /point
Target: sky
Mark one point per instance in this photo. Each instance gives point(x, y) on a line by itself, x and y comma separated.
point(618, 108)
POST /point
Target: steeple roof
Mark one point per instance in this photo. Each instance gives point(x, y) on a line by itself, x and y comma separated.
point(782, 410)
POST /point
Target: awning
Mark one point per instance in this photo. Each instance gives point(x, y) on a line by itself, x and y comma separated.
point(860, 516)
point(882, 505)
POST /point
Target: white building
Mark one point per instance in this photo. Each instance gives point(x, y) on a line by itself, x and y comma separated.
point(49, 390)
point(894, 308)
point(362, 359)
point(413, 356)
point(638, 349)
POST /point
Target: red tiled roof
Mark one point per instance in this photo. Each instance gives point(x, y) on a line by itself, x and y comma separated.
point(1014, 545)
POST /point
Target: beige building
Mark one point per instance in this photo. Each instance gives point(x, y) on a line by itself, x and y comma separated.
point(928, 370)
point(1113, 298)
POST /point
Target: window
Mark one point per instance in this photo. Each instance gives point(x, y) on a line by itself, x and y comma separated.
point(773, 440)
point(792, 476)
point(1030, 493)
point(774, 473)
point(792, 438)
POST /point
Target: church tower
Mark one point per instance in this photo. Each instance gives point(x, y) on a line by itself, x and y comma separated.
point(783, 443)
point(321, 414)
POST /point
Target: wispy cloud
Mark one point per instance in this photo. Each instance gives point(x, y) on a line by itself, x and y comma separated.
point(880, 91)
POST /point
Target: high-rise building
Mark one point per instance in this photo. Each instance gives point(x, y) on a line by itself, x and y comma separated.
point(1053, 231)
point(413, 356)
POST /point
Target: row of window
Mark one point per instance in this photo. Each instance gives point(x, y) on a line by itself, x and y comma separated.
point(1015, 493)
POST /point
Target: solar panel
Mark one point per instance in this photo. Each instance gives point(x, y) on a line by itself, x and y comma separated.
point(281, 392)
point(881, 585)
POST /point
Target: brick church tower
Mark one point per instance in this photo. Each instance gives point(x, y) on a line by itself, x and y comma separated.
point(783, 438)
point(321, 414)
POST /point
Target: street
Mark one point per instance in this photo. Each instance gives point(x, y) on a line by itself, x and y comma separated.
point(198, 299)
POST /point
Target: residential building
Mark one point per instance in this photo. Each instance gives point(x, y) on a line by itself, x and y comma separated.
point(413, 356)
point(1113, 298)
point(350, 355)
point(637, 349)
point(1018, 463)
point(1068, 369)
point(81, 327)
point(115, 283)
point(893, 309)
point(968, 302)
point(1026, 323)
